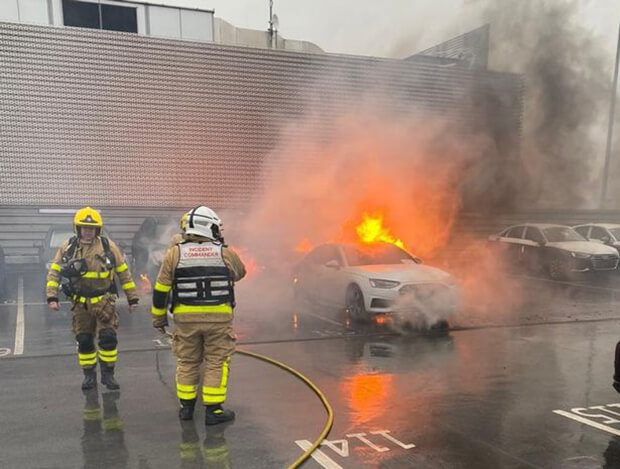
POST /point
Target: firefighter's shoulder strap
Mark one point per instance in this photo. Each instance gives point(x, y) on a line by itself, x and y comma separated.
point(105, 242)
point(69, 252)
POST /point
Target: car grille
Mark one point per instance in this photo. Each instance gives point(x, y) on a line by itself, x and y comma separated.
point(423, 291)
point(607, 262)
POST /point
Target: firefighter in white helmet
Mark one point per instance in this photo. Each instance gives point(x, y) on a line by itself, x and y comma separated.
point(87, 265)
point(197, 277)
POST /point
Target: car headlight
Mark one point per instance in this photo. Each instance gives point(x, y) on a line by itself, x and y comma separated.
point(581, 255)
point(379, 283)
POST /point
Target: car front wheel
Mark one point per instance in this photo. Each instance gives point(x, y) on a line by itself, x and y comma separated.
point(355, 304)
point(558, 269)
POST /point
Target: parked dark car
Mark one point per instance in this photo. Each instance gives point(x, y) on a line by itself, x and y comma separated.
point(150, 244)
point(556, 250)
point(602, 233)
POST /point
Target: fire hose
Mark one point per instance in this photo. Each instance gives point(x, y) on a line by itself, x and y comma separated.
point(317, 391)
point(328, 408)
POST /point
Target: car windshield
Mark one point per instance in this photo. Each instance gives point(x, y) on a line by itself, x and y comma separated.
point(379, 254)
point(615, 232)
point(59, 236)
point(558, 234)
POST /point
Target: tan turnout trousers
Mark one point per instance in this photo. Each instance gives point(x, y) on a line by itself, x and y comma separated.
point(194, 343)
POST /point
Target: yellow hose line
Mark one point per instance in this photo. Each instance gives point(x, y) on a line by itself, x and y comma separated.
point(317, 391)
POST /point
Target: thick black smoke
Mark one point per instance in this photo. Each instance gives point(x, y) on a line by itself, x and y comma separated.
point(567, 84)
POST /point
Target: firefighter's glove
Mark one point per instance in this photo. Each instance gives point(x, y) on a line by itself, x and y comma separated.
point(160, 324)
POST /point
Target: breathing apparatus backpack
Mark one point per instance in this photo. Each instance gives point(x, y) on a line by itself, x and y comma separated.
point(73, 269)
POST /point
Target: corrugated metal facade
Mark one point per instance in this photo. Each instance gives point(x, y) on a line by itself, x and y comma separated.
point(107, 118)
point(472, 48)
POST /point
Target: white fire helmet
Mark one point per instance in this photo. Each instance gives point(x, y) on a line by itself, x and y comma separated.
point(202, 221)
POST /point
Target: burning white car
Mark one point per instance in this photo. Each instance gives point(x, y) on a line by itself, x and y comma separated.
point(371, 280)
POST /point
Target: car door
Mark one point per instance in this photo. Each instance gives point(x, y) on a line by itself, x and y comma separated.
point(600, 235)
point(584, 231)
point(512, 242)
point(306, 274)
point(531, 249)
point(329, 276)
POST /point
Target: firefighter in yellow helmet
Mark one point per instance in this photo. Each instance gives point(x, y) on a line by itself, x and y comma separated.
point(86, 265)
point(197, 276)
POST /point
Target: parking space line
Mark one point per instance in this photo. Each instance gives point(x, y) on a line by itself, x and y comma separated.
point(331, 321)
point(19, 326)
point(318, 455)
point(592, 423)
point(42, 303)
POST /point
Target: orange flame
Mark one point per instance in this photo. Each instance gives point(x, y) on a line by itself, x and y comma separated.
point(372, 230)
point(145, 284)
point(304, 246)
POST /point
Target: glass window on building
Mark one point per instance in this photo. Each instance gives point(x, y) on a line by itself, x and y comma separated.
point(81, 14)
point(116, 18)
point(99, 16)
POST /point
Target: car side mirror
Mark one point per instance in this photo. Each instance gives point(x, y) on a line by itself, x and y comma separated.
point(333, 264)
point(606, 239)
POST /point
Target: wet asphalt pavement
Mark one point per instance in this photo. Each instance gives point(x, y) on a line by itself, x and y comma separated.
point(529, 389)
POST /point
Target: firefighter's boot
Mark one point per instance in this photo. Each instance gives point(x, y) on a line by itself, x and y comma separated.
point(214, 414)
point(107, 377)
point(186, 412)
point(90, 379)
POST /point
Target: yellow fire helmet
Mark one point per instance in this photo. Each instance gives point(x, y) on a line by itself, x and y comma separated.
point(183, 222)
point(87, 216)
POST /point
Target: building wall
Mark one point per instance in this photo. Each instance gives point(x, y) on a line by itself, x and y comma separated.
point(226, 33)
point(131, 109)
point(25, 11)
point(153, 20)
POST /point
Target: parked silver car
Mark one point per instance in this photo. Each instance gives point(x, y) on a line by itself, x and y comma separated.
point(602, 233)
point(558, 250)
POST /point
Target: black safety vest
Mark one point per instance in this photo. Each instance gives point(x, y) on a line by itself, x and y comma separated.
point(201, 277)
